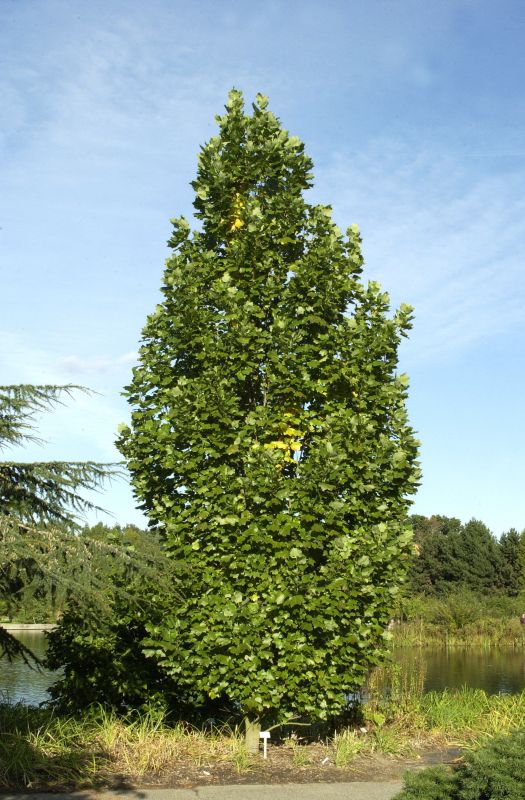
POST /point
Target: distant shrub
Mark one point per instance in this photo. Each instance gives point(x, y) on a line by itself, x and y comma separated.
point(455, 610)
point(494, 772)
point(410, 607)
point(503, 606)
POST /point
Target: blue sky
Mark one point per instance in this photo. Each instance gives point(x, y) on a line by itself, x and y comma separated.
point(414, 114)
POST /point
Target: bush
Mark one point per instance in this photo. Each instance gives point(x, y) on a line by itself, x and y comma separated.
point(98, 647)
point(494, 772)
point(502, 606)
point(102, 662)
point(410, 607)
point(455, 610)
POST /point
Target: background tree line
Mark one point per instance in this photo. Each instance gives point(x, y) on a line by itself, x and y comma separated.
point(94, 554)
point(450, 555)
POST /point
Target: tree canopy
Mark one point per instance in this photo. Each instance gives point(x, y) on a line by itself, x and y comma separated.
point(269, 441)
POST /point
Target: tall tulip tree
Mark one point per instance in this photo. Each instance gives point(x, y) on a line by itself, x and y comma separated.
point(269, 440)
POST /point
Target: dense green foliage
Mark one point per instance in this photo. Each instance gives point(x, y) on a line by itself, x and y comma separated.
point(452, 556)
point(269, 442)
point(97, 646)
point(493, 772)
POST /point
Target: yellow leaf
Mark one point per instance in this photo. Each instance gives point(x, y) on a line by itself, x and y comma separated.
point(295, 446)
point(270, 445)
point(292, 432)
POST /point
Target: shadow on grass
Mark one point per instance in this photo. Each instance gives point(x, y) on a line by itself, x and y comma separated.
point(39, 751)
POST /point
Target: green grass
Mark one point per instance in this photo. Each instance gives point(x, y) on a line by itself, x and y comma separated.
point(462, 717)
point(39, 749)
point(468, 716)
point(42, 750)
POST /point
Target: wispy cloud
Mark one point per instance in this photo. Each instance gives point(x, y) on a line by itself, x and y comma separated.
point(438, 234)
point(77, 365)
point(82, 428)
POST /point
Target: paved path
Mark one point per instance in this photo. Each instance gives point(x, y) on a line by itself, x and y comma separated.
point(358, 790)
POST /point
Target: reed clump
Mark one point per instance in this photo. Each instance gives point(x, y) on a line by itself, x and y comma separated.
point(468, 716)
point(454, 718)
point(485, 632)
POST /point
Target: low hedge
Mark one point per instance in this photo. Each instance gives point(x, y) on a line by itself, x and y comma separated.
point(496, 771)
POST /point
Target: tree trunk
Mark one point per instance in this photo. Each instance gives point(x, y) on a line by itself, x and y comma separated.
point(251, 739)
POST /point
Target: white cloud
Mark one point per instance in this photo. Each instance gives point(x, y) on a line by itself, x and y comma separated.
point(84, 426)
point(439, 234)
point(76, 365)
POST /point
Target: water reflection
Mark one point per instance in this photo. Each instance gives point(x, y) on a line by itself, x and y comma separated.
point(495, 671)
point(20, 683)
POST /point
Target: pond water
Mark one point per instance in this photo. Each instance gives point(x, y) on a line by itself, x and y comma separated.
point(496, 671)
point(21, 683)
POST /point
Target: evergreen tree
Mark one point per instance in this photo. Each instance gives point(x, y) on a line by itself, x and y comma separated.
point(451, 555)
point(521, 561)
point(39, 502)
point(269, 441)
point(512, 576)
point(434, 568)
point(478, 564)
